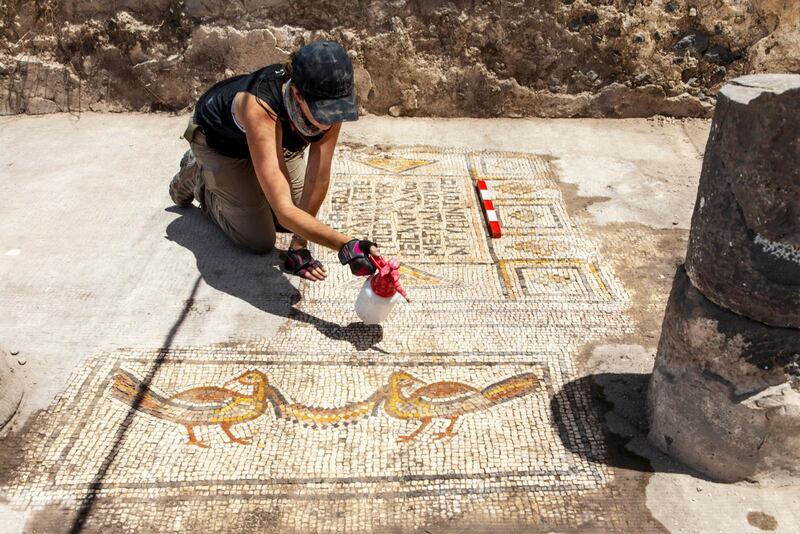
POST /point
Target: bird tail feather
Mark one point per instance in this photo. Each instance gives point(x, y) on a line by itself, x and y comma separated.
point(511, 388)
point(130, 390)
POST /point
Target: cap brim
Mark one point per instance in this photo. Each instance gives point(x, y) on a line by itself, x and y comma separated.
point(331, 111)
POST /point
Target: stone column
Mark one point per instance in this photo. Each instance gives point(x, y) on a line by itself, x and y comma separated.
point(744, 244)
point(724, 397)
point(10, 389)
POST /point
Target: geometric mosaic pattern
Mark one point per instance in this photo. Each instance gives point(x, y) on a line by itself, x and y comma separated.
point(553, 279)
point(524, 219)
point(454, 408)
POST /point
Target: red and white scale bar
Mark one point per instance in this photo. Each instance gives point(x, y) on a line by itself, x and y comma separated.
point(488, 209)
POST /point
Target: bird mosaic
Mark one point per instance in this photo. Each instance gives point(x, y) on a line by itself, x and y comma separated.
point(200, 406)
point(403, 397)
point(448, 400)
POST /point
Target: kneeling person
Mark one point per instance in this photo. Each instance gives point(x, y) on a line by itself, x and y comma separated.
point(246, 165)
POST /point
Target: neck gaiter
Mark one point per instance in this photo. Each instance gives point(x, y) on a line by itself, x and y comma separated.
point(296, 114)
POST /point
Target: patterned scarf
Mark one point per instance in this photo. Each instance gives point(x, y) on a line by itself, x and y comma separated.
point(296, 114)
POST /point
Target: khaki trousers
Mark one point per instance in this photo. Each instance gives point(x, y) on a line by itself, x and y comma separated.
point(229, 193)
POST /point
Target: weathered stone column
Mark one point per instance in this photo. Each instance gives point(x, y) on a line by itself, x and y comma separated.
point(10, 389)
point(724, 397)
point(744, 244)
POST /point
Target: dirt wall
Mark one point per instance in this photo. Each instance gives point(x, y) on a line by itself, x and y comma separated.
point(547, 58)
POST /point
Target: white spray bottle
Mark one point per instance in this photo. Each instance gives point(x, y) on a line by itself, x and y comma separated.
point(380, 292)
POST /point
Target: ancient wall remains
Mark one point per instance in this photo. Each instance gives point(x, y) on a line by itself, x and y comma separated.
point(549, 58)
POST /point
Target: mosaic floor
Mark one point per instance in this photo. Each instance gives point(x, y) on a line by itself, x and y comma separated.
point(452, 410)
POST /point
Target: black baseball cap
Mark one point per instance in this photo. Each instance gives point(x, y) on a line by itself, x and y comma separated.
point(323, 73)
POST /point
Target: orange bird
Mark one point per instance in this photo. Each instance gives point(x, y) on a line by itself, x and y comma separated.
point(200, 406)
point(448, 400)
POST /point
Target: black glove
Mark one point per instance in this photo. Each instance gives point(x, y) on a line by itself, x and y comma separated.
point(355, 253)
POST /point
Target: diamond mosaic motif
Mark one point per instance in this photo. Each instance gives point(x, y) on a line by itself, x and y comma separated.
point(396, 165)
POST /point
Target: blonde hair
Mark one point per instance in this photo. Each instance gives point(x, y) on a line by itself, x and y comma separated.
point(288, 70)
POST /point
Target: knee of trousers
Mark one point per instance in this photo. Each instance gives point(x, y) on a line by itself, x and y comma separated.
point(257, 244)
point(257, 248)
point(254, 232)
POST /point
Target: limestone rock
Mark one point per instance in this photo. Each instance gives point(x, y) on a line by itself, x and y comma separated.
point(744, 245)
point(478, 59)
point(236, 50)
point(779, 49)
point(35, 87)
point(363, 83)
point(724, 397)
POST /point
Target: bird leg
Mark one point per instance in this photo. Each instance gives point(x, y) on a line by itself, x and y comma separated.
point(448, 431)
point(411, 437)
point(193, 440)
point(226, 427)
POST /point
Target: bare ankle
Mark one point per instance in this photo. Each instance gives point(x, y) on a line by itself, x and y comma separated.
point(298, 242)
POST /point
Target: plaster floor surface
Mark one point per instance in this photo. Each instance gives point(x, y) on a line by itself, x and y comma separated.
point(174, 382)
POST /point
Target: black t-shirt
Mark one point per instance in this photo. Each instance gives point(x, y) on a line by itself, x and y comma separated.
point(213, 112)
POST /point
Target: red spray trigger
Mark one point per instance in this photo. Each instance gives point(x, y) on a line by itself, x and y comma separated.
point(386, 280)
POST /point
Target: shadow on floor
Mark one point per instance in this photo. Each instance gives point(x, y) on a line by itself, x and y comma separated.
point(616, 403)
point(255, 279)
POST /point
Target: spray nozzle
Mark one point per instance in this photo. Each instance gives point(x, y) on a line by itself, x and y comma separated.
point(386, 280)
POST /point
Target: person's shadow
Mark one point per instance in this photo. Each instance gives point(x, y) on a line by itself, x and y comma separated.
point(255, 279)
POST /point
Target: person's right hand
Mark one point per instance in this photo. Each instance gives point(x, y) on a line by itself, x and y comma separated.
point(355, 254)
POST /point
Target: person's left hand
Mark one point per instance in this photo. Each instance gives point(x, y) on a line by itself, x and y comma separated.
point(299, 262)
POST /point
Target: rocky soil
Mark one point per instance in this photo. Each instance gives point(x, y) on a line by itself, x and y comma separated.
point(479, 58)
